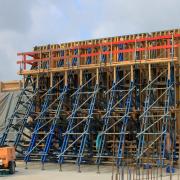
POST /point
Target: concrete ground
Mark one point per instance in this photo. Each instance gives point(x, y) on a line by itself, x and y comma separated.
point(69, 172)
point(51, 172)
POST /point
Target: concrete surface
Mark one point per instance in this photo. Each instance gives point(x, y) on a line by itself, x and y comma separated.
point(69, 172)
point(51, 172)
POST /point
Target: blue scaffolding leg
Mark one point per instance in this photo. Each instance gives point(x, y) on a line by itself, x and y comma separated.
point(25, 101)
point(105, 124)
point(24, 120)
point(54, 121)
point(40, 118)
point(118, 88)
point(166, 119)
point(70, 131)
point(86, 127)
point(45, 107)
point(37, 126)
point(124, 125)
point(144, 117)
point(69, 127)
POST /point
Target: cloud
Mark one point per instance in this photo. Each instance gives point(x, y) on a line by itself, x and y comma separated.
point(25, 24)
point(15, 15)
point(135, 16)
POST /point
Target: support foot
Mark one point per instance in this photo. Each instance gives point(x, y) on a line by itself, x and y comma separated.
point(79, 169)
point(42, 168)
point(98, 171)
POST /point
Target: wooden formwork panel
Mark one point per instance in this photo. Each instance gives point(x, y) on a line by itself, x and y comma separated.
point(137, 48)
point(10, 86)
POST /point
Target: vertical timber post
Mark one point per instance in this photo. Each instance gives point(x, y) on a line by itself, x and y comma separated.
point(97, 76)
point(80, 77)
point(114, 75)
point(51, 79)
point(149, 71)
point(132, 74)
point(37, 81)
point(169, 70)
point(24, 81)
point(65, 78)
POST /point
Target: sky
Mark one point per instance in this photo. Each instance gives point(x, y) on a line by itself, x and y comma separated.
point(26, 23)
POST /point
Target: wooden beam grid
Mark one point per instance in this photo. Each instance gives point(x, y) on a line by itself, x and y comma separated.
point(137, 47)
point(10, 86)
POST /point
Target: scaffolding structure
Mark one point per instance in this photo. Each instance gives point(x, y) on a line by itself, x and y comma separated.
point(112, 100)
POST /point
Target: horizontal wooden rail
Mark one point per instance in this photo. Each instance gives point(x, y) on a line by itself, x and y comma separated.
point(105, 44)
point(114, 52)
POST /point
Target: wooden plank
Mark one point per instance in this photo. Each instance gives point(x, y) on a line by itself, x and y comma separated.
point(10, 86)
point(94, 66)
point(149, 70)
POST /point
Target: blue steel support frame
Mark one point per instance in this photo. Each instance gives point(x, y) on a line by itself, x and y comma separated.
point(54, 121)
point(86, 127)
point(24, 120)
point(169, 101)
point(27, 104)
point(106, 123)
point(69, 127)
point(124, 125)
point(37, 126)
point(147, 103)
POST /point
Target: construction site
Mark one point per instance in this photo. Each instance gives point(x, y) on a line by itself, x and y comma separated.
point(102, 103)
